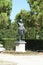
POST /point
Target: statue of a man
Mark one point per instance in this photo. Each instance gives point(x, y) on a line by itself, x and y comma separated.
point(21, 29)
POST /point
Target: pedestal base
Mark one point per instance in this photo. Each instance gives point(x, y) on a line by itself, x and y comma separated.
point(1, 48)
point(20, 46)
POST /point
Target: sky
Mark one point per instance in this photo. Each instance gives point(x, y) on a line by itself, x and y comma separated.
point(17, 5)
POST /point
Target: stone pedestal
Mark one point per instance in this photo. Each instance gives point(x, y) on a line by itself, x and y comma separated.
point(20, 46)
point(1, 48)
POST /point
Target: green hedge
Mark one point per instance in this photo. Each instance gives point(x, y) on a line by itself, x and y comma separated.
point(9, 43)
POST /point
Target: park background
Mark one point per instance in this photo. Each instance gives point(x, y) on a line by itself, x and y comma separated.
point(33, 22)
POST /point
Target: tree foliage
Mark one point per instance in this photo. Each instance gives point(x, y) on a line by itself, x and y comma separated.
point(36, 7)
point(5, 8)
point(33, 19)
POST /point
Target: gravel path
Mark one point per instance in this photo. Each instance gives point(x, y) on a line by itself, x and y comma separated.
point(22, 60)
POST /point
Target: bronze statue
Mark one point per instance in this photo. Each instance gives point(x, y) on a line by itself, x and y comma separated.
point(21, 29)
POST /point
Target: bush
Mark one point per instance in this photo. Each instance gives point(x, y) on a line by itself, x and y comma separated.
point(9, 43)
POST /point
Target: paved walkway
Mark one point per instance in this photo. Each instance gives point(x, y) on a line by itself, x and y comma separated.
point(23, 60)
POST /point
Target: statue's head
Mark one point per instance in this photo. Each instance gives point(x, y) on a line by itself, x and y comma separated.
point(21, 20)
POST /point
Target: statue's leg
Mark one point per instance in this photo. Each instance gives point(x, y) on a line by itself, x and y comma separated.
point(21, 37)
